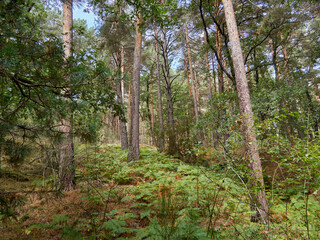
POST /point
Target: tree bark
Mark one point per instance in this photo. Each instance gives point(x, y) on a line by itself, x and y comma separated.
point(197, 86)
point(152, 110)
point(129, 107)
point(246, 112)
point(66, 174)
point(159, 94)
point(134, 153)
point(187, 73)
point(208, 68)
point(122, 74)
point(122, 124)
point(274, 59)
point(193, 82)
point(219, 55)
point(172, 149)
point(214, 76)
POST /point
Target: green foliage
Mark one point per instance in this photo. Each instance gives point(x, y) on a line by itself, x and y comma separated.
point(39, 87)
point(185, 226)
point(15, 152)
point(163, 198)
point(298, 163)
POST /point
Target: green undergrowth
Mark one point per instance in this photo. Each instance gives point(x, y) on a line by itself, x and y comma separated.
point(159, 197)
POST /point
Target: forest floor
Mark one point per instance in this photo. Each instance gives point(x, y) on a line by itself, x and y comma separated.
point(158, 197)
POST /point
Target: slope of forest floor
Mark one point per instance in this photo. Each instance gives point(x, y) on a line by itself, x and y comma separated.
point(158, 197)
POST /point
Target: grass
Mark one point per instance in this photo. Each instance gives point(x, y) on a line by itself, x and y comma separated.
point(158, 197)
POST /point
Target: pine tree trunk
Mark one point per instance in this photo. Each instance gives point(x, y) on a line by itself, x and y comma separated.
point(172, 149)
point(66, 174)
point(246, 112)
point(214, 76)
point(187, 73)
point(122, 124)
point(129, 107)
point(134, 153)
point(152, 110)
point(197, 87)
point(274, 60)
point(159, 94)
point(193, 81)
point(208, 69)
point(220, 71)
point(122, 74)
point(149, 100)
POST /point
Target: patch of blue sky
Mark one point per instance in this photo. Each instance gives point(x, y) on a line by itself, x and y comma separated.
point(83, 12)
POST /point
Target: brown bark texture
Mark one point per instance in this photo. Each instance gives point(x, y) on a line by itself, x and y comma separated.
point(159, 94)
point(187, 73)
point(246, 113)
point(208, 69)
point(214, 76)
point(152, 110)
point(166, 70)
point(193, 81)
point(66, 173)
point(134, 153)
point(219, 55)
point(122, 124)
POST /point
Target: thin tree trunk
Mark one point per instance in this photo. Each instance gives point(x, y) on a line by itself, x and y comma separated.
point(274, 60)
point(208, 68)
point(122, 124)
point(286, 62)
point(214, 76)
point(193, 85)
point(159, 94)
point(214, 132)
point(149, 100)
point(257, 69)
point(220, 71)
point(129, 107)
point(134, 153)
point(152, 110)
point(172, 149)
point(187, 72)
point(197, 84)
point(66, 174)
point(122, 74)
point(219, 50)
point(246, 111)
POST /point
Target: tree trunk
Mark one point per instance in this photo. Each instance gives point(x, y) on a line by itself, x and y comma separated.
point(214, 76)
point(122, 124)
point(159, 94)
point(219, 55)
point(152, 110)
point(208, 68)
point(134, 153)
point(129, 107)
point(246, 112)
point(122, 74)
point(172, 149)
point(274, 59)
point(187, 72)
point(197, 86)
point(193, 82)
point(66, 174)
point(149, 100)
